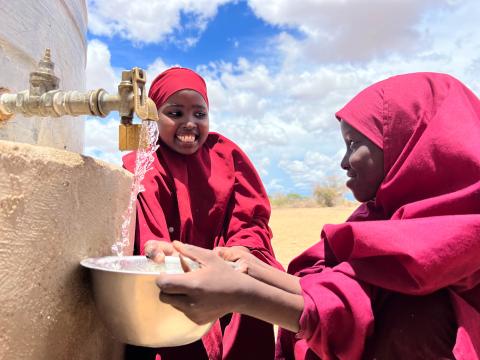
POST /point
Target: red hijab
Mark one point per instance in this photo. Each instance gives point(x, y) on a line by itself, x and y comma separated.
point(422, 231)
point(175, 79)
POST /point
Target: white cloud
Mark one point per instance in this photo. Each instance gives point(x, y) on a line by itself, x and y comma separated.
point(101, 139)
point(151, 21)
point(262, 108)
point(101, 135)
point(99, 71)
point(275, 186)
point(314, 168)
point(348, 30)
point(155, 68)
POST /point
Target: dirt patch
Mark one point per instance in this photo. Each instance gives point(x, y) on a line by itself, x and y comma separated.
point(296, 229)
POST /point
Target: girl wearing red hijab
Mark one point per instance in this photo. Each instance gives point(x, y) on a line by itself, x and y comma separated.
point(401, 278)
point(202, 190)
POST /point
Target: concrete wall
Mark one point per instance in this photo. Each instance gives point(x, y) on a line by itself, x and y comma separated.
point(27, 28)
point(56, 208)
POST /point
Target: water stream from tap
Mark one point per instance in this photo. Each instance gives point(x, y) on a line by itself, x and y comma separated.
point(143, 163)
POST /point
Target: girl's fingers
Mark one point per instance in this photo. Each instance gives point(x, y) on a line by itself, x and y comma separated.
point(241, 266)
point(198, 254)
point(166, 246)
point(184, 264)
point(231, 253)
point(157, 250)
point(225, 253)
point(158, 256)
point(148, 249)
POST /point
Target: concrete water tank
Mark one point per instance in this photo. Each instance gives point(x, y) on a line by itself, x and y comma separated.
point(27, 28)
point(56, 206)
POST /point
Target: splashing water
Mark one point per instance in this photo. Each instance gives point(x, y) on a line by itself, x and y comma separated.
point(143, 163)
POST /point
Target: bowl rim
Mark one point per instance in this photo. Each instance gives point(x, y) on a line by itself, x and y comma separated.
point(94, 263)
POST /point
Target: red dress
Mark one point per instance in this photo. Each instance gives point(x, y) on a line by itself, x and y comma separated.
point(211, 198)
point(401, 278)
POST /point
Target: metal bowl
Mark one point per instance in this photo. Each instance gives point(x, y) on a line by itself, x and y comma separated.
point(126, 298)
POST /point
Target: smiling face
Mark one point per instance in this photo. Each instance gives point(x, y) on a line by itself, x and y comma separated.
point(183, 121)
point(363, 162)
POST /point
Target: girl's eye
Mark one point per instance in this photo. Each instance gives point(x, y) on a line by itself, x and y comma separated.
point(200, 115)
point(352, 144)
point(175, 114)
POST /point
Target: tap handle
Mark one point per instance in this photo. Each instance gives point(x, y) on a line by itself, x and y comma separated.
point(143, 106)
point(139, 80)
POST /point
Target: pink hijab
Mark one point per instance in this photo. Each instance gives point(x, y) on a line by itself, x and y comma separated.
point(420, 234)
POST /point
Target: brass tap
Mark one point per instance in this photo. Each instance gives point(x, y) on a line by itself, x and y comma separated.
point(45, 100)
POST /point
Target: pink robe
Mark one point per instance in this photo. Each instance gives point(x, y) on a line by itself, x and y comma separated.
point(211, 198)
point(401, 278)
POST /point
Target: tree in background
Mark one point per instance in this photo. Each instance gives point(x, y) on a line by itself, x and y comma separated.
point(291, 200)
point(330, 192)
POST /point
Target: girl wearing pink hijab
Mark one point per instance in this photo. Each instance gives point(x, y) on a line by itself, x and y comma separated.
point(401, 278)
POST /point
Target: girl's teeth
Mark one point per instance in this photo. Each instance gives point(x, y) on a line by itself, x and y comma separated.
point(186, 138)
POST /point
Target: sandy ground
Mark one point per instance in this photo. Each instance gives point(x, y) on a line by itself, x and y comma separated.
point(295, 229)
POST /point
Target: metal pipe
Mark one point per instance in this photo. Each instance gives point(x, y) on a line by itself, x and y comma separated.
point(45, 100)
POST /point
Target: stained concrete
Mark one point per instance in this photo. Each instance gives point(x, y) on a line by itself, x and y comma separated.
point(56, 208)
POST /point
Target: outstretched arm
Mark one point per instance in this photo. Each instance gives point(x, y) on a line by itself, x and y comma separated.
point(203, 299)
point(333, 313)
point(259, 270)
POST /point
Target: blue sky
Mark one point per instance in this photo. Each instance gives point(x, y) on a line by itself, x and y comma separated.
point(277, 70)
point(234, 32)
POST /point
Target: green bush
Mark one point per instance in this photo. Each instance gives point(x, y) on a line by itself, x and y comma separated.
point(291, 200)
point(330, 192)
